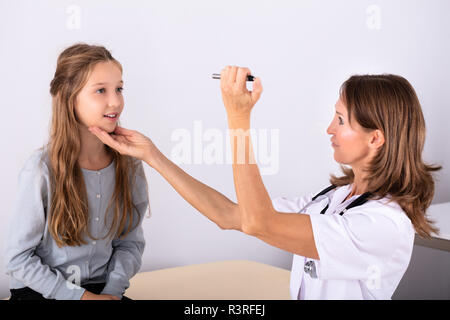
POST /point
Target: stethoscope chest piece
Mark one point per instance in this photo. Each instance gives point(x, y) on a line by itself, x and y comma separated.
point(310, 268)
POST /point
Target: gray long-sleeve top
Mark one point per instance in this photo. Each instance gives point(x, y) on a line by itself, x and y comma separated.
point(34, 260)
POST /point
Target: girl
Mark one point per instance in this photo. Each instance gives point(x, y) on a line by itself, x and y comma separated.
point(354, 239)
point(76, 227)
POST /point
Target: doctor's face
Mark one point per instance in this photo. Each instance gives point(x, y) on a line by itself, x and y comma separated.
point(350, 143)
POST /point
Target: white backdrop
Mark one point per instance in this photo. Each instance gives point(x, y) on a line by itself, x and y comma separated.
point(302, 50)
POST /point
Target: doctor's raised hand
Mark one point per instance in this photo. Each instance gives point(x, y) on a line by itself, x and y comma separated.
point(237, 99)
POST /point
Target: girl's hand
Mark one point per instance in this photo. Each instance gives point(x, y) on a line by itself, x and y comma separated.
point(87, 295)
point(128, 142)
point(237, 99)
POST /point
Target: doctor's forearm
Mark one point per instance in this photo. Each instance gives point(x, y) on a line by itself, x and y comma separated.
point(212, 204)
point(288, 231)
point(253, 199)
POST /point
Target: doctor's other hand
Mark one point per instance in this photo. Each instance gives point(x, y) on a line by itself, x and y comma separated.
point(128, 142)
point(238, 100)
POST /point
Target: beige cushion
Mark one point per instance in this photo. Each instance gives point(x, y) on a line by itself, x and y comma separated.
point(225, 280)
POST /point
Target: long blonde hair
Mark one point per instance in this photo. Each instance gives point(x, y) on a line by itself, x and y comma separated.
point(69, 214)
point(389, 103)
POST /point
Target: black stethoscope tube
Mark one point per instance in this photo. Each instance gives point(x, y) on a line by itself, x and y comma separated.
point(357, 202)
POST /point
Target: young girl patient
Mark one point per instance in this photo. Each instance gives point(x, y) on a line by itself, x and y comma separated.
point(76, 229)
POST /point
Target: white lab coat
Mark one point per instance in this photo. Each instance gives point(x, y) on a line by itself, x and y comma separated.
point(363, 254)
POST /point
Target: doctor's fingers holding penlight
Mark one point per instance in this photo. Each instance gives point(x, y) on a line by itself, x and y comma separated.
point(238, 100)
point(128, 142)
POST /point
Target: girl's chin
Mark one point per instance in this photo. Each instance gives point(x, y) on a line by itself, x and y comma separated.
point(109, 129)
point(108, 125)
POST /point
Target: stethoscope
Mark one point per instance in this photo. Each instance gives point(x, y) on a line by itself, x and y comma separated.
point(357, 202)
point(310, 267)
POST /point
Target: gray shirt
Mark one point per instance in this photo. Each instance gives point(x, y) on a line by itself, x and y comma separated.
point(34, 260)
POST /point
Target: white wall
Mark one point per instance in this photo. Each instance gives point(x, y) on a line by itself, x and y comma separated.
point(302, 50)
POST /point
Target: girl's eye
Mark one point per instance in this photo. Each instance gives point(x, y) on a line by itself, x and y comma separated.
point(120, 89)
point(340, 121)
point(102, 90)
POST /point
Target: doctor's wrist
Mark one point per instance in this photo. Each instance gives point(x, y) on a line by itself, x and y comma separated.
point(239, 121)
point(154, 158)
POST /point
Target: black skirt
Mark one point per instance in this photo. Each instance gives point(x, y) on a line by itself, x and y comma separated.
point(29, 294)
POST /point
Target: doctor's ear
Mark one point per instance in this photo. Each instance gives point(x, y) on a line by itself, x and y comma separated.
point(376, 139)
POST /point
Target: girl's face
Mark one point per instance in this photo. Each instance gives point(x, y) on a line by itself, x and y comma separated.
point(350, 143)
point(101, 96)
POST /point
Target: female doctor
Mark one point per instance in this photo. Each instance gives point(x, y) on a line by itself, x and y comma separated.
point(352, 240)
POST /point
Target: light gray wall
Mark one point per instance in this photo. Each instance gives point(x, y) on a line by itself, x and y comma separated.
point(302, 50)
point(427, 275)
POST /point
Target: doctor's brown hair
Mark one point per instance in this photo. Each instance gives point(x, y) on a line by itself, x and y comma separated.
point(389, 103)
point(69, 210)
